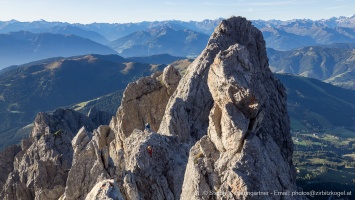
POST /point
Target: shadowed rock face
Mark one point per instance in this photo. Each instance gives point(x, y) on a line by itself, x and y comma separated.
point(41, 167)
point(222, 127)
point(7, 162)
point(248, 146)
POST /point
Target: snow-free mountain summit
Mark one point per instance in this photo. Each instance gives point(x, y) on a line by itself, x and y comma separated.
point(220, 131)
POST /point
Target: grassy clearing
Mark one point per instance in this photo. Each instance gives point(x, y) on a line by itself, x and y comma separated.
point(80, 105)
point(321, 161)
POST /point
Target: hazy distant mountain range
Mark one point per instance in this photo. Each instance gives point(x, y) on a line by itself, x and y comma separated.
point(159, 40)
point(110, 31)
point(330, 63)
point(173, 37)
point(74, 30)
point(280, 35)
point(23, 46)
point(286, 35)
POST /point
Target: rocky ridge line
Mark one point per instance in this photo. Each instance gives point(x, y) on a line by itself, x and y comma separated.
point(222, 129)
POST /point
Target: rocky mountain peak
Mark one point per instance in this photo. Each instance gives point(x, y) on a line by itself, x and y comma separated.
point(220, 131)
point(237, 30)
point(230, 93)
point(192, 100)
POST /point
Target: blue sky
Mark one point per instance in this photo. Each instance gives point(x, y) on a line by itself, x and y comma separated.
point(120, 11)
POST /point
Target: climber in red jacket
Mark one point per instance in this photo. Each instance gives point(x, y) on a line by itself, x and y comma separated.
point(150, 151)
